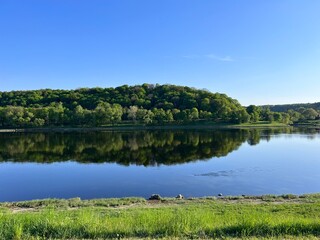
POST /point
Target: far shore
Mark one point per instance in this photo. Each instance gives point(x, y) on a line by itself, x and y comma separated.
point(145, 127)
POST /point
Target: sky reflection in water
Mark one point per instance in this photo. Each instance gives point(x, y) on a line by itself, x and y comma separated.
point(193, 163)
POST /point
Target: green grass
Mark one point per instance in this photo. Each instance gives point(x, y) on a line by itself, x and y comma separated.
point(73, 203)
point(308, 123)
point(263, 124)
point(200, 124)
point(230, 217)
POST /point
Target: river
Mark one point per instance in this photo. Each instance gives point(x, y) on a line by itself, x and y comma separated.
point(194, 163)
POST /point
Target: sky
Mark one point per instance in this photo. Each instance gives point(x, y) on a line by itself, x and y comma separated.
point(258, 52)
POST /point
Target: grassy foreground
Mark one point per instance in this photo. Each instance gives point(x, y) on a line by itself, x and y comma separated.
point(287, 216)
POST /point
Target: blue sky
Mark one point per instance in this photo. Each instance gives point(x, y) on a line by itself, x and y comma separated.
point(259, 52)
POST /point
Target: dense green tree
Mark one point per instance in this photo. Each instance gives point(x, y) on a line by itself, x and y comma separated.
point(266, 114)
point(254, 112)
point(160, 115)
point(294, 115)
point(285, 118)
point(147, 103)
point(132, 112)
point(103, 113)
point(205, 115)
point(117, 112)
point(2, 118)
point(106, 113)
point(309, 114)
point(205, 104)
point(78, 115)
point(181, 116)
point(277, 117)
point(194, 114)
point(148, 117)
point(56, 113)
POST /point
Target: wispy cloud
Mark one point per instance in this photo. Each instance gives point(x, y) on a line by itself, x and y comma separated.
point(219, 58)
point(210, 56)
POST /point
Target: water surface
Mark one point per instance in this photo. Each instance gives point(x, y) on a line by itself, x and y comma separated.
point(140, 163)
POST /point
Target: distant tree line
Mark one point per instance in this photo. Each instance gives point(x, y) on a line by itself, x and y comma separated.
point(146, 104)
point(295, 107)
point(264, 113)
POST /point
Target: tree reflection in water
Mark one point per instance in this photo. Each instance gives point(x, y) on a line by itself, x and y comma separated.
point(148, 148)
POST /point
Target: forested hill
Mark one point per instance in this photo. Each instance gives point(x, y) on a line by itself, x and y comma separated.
point(145, 103)
point(147, 96)
point(295, 107)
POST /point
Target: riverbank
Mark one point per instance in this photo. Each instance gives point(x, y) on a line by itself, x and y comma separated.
point(147, 127)
point(287, 216)
point(308, 124)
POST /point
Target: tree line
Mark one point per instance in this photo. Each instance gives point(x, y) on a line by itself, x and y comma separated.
point(145, 104)
point(295, 107)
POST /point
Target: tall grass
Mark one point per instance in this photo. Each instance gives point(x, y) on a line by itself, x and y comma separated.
point(200, 219)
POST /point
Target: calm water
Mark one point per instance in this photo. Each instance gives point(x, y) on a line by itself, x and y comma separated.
point(193, 163)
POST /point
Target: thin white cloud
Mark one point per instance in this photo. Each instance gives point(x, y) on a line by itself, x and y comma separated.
point(222, 59)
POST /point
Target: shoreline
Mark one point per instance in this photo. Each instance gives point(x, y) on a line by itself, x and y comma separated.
point(263, 197)
point(227, 217)
point(142, 127)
